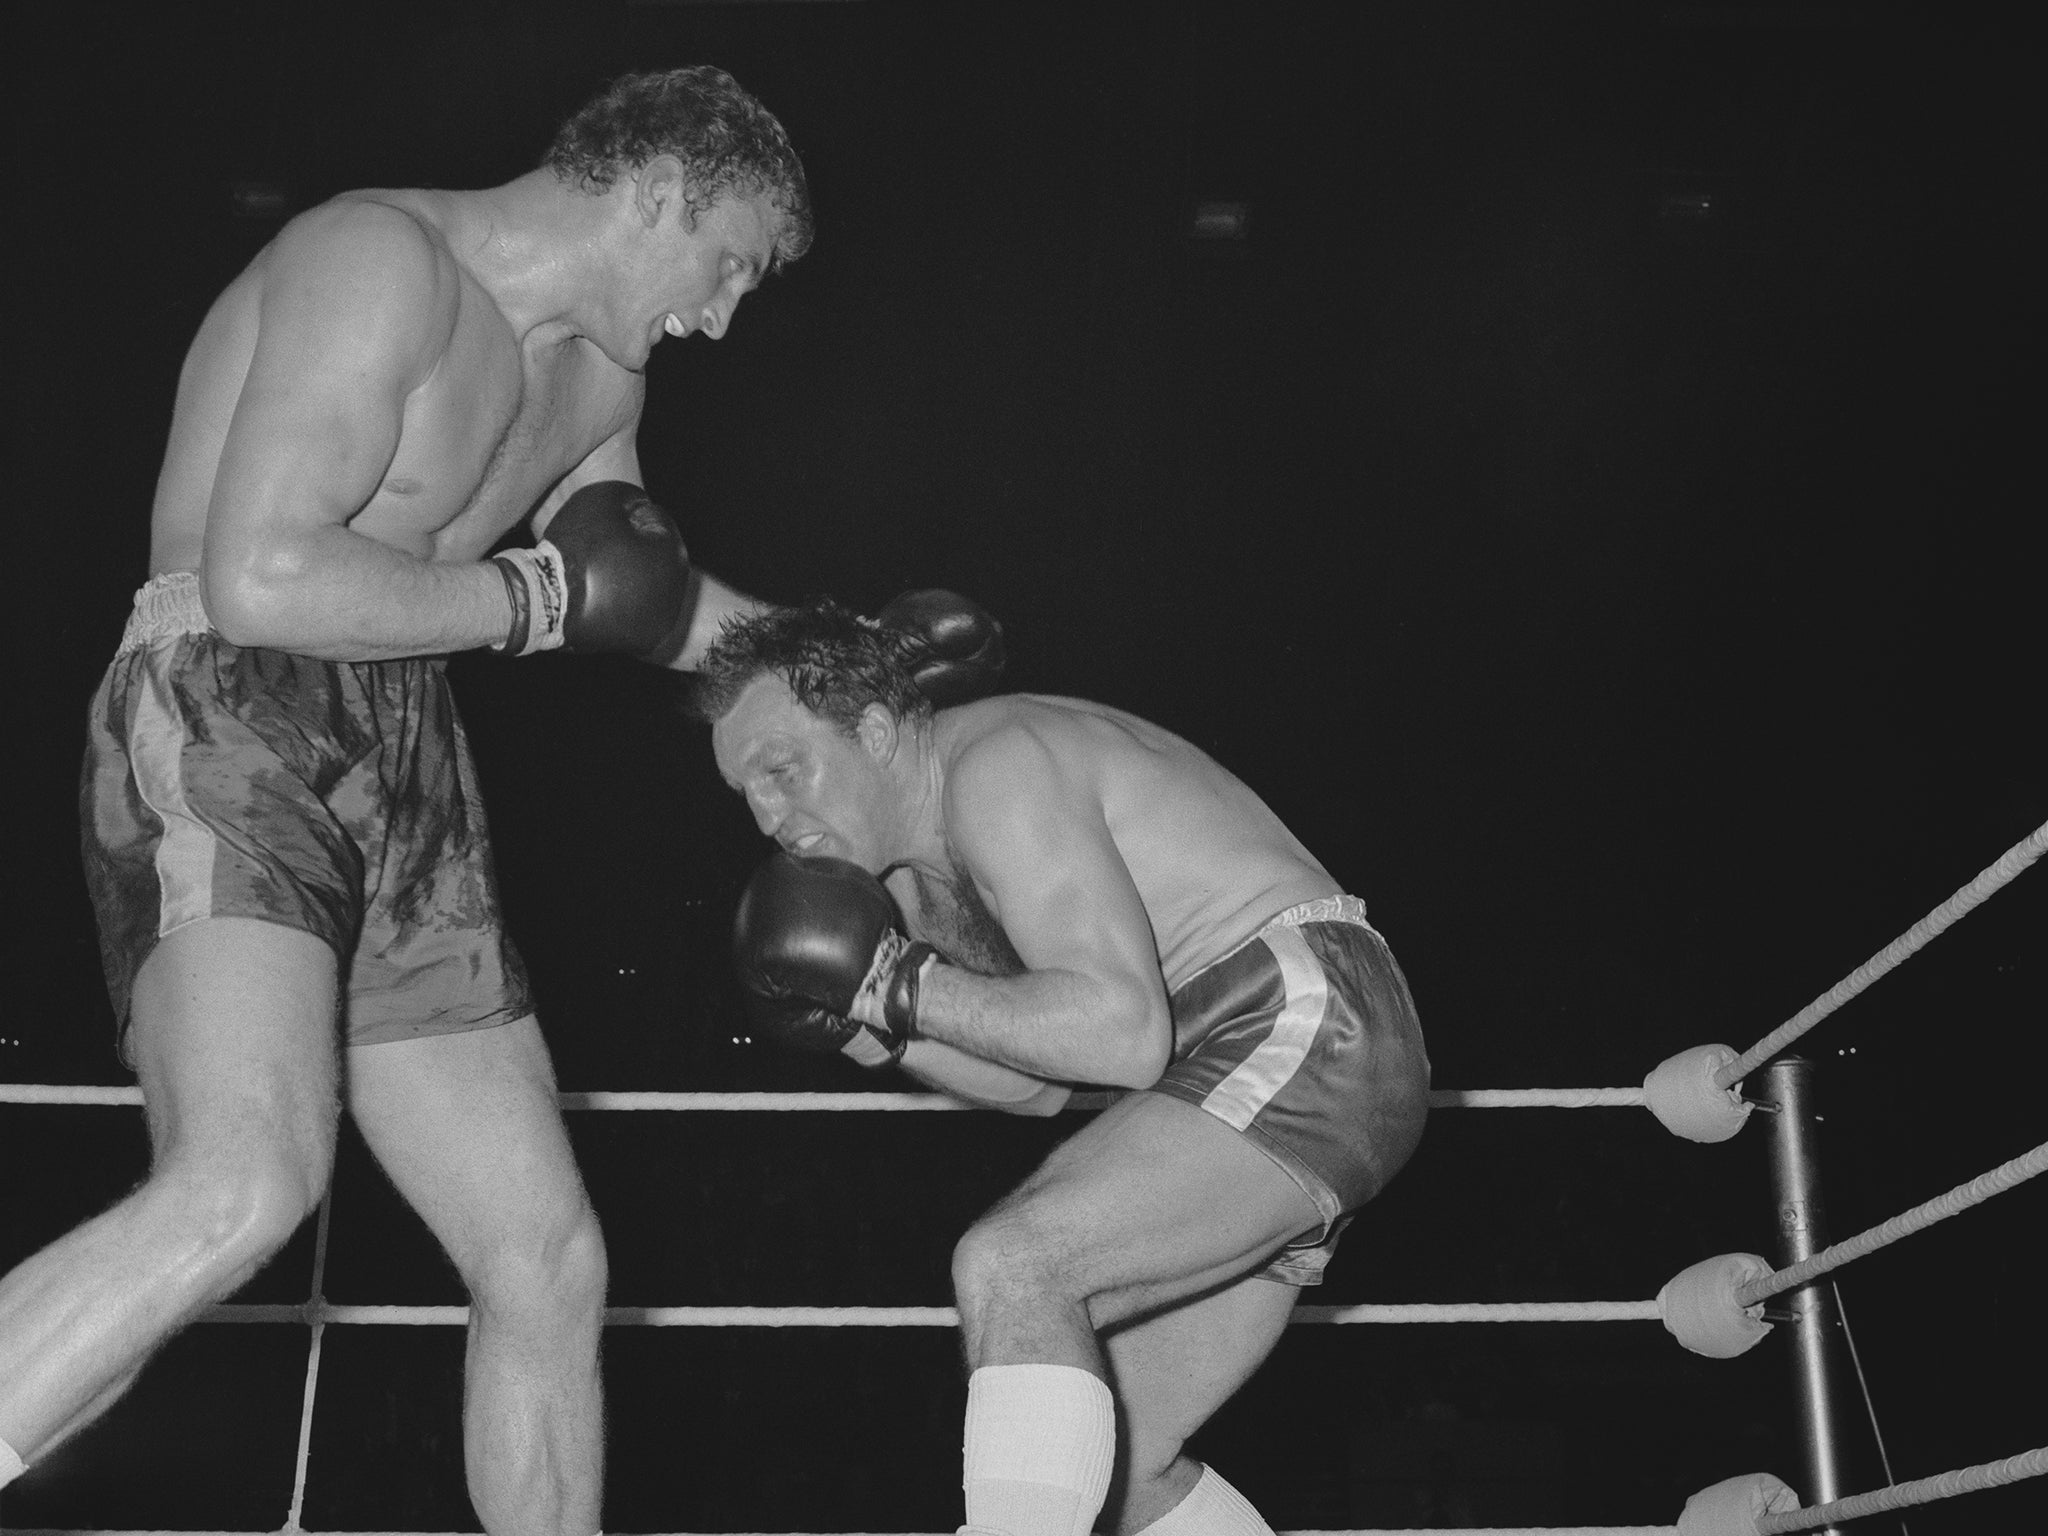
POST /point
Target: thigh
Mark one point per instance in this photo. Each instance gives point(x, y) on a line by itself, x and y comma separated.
point(233, 1037)
point(1153, 1202)
point(468, 1128)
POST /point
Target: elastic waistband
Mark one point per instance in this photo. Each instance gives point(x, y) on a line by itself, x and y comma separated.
point(167, 606)
point(1324, 909)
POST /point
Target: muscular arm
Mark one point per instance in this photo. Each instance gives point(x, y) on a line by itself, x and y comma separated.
point(1091, 1004)
point(358, 304)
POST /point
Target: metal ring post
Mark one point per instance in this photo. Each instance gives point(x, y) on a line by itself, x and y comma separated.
point(1802, 1232)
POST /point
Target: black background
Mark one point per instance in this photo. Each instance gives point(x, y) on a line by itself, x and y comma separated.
point(1591, 505)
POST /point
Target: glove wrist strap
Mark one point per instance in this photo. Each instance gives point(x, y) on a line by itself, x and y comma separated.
point(537, 586)
point(899, 998)
point(514, 642)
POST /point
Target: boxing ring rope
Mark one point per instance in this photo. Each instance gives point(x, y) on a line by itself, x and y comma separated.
point(1989, 880)
point(1961, 1198)
point(754, 1103)
point(1926, 1490)
point(318, 1325)
point(1717, 1302)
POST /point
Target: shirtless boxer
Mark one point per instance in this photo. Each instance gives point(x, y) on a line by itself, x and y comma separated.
point(1089, 899)
point(282, 833)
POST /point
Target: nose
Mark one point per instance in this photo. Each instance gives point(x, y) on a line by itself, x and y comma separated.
point(766, 816)
point(717, 316)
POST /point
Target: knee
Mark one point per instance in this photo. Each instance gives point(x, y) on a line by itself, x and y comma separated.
point(549, 1272)
point(233, 1210)
point(1006, 1254)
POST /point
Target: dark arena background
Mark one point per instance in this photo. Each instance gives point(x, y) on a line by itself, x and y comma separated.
point(1575, 460)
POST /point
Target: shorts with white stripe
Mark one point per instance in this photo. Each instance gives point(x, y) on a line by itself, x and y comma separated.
point(1304, 1040)
point(337, 798)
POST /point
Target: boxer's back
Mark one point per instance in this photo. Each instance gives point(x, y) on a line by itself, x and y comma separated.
point(1210, 859)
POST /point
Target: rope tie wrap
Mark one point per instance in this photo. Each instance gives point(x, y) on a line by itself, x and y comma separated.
point(1686, 1095)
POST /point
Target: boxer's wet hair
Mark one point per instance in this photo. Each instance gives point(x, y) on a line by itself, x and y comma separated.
point(835, 661)
point(730, 145)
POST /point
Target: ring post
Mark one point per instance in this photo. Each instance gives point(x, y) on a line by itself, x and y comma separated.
point(1802, 1231)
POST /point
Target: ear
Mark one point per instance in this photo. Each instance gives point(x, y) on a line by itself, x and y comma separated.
point(660, 190)
point(878, 733)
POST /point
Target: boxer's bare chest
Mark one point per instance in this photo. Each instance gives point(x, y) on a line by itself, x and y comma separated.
point(950, 915)
point(485, 437)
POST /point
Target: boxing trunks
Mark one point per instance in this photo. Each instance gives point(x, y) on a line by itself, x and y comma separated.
point(1304, 1040)
point(333, 797)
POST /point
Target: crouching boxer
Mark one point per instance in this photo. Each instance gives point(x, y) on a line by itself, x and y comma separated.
point(1087, 899)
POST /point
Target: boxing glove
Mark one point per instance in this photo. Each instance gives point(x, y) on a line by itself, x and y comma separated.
point(611, 575)
point(822, 962)
point(951, 644)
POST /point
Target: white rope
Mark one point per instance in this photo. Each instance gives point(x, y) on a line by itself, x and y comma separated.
point(1443, 1098)
point(754, 1102)
point(66, 1093)
point(1485, 1312)
point(1926, 1490)
point(1537, 1098)
point(1961, 1198)
point(323, 1312)
point(1484, 1530)
point(1930, 927)
point(320, 1229)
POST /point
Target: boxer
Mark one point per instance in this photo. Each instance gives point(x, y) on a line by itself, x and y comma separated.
point(1022, 894)
point(283, 839)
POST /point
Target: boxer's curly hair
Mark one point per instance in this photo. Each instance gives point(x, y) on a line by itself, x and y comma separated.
point(835, 661)
point(730, 145)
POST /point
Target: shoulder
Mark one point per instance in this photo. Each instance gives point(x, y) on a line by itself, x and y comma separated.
point(391, 230)
point(367, 254)
point(1025, 732)
point(1012, 758)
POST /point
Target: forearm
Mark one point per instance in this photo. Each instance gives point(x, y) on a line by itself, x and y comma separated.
point(336, 595)
point(982, 1082)
point(1052, 1024)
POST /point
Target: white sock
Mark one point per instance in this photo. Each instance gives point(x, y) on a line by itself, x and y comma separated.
point(11, 1464)
point(1039, 1445)
point(1212, 1508)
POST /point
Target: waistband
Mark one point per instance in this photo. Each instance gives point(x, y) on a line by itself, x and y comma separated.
point(1324, 909)
point(167, 606)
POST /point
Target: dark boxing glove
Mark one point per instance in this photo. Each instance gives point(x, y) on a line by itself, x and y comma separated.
point(952, 645)
point(822, 962)
point(611, 575)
